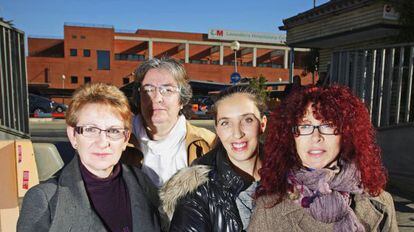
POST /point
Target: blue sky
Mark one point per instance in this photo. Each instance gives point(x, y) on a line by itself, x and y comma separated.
point(46, 17)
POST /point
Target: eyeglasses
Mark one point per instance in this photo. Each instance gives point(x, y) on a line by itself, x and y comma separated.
point(94, 132)
point(164, 90)
point(307, 129)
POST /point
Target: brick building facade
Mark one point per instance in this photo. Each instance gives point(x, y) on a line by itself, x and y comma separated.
point(102, 54)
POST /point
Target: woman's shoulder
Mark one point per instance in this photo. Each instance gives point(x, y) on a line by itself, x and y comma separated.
point(271, 202)
point(383, 202)
point(195, 133)
point(47, 188)
point(39, 196)
point(384, 197)
point(271, 215)
point(371, 209)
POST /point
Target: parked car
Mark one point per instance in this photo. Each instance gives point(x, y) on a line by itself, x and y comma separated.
point(201, 107)
point(39, 104)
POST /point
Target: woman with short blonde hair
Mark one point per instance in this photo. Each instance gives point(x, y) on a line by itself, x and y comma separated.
point(94, 192)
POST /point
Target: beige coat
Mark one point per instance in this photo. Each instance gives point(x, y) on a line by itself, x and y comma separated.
point(375, 213)
point(198, 141)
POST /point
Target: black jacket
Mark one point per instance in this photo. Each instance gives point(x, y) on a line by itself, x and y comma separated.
point(211, 205)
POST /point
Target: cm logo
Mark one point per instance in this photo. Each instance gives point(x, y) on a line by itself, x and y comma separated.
point(217, 32)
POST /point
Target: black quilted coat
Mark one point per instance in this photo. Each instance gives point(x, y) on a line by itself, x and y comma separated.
point(212, 206)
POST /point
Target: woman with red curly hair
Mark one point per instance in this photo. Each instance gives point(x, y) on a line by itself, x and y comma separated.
point(322, 170)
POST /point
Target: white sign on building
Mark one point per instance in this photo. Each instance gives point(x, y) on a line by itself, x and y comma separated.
point(390, 13)
point(220, 34)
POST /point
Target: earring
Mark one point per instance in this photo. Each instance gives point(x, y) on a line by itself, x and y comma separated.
point(75, 146)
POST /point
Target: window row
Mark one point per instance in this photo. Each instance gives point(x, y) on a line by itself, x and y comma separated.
point(74, 79)
point(132, 57)
point(102, 57)
point(87, 79)
point(74, 52)
point(75, 37)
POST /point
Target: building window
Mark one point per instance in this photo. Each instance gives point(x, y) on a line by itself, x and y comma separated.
point(86, 53)
point(74, 37)
point(103, 60)
point(46, 75)
point(73, 79)
point(131, 57)
point(125, 80)
point(87, 80)
point(73, 52)
point(83, 37)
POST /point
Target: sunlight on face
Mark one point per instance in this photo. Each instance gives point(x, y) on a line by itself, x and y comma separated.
point(316, 150)
point(100, 154)
point(239, 125)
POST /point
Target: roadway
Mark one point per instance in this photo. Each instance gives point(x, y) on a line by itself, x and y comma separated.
point(53, 130)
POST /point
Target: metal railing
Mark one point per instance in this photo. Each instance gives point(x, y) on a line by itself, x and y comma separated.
point(14, 117)
point(382, 78)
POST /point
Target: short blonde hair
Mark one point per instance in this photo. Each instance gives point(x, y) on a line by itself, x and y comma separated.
point(99, 93)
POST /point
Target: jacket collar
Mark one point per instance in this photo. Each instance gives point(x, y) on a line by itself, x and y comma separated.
point(370, 210)
point(73, 202)
point(140, 205)
point(230, 179)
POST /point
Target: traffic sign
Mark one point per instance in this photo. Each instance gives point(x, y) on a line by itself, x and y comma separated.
point(235, 77)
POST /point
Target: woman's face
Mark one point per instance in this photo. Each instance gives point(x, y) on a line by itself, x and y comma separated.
point(239, 125)
point(156, 109)
point(317, 150)
point(99, 154)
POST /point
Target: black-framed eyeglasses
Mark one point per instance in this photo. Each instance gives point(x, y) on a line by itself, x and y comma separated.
point(307, 129)
point(94, 132)
point(164, 90)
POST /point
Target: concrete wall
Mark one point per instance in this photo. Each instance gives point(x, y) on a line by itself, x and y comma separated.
point(397, 145)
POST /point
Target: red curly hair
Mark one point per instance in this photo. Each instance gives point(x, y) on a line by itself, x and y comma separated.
point(334, 104)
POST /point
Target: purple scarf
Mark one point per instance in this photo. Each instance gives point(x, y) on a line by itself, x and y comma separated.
point(325, 194)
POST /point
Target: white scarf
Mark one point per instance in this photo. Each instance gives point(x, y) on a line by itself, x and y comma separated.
point(162, 158)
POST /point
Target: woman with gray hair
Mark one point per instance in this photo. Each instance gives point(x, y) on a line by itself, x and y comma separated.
point(166, 140)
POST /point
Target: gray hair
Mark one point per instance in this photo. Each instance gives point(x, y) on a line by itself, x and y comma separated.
point(172, 66)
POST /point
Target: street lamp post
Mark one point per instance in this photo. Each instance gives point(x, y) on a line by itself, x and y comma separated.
point(63, 81)
point(235, 46)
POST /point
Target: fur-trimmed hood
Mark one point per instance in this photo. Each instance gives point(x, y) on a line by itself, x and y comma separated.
point(185, 181)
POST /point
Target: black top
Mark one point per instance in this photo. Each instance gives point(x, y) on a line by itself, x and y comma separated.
point(110, 199)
